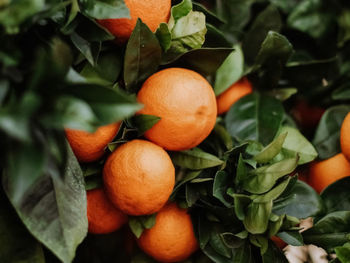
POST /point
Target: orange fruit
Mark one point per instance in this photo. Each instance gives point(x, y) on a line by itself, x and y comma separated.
point(230, 96)
point(139, 177)
point(345, 137)
point(186, 104)
point(103, 217)
point(278, 242)
point(171, 239)
point(89, 147)
point(326, 172)
point(151, 12)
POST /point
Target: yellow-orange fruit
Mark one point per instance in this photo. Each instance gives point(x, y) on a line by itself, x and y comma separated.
point(89, 147)
point(186, 104)
point(151, 12)
point(233, 94)
point(139, 177)
point(102, 216)
point(345, 137)
point(172, 238)
point(326, 172)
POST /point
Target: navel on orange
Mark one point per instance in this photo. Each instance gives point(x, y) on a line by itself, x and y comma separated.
point(139, 177)
point(151, 12)
point(172, 238)
point(89, 147)
point(230, 96)
point(186, 104)
point(103, 217)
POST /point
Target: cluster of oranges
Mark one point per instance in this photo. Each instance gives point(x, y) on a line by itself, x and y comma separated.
point(139, 175)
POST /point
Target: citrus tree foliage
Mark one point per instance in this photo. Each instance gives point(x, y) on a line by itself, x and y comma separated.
point(60, 69)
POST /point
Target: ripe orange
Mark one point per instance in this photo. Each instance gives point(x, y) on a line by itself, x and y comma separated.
point(186, 103)
point(345, 137)
point(103, 217)
point(326, 172)
point(139, 177)
point(89, 147)
point(172, 238)
point(151, 12)
point(233, 94)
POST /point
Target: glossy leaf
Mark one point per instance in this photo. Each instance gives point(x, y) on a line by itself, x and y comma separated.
point(255, 117)
point(105, 9)
point(336, 197)
point(273, 194)
point(271, 150)
point(293, 238)
point(144, 122)
point(195, 159)
point(54, 211)
point(257, 217)
point(90, 50)
point(264, 178)
point(342, 93)
point(326, 140)
point(221, 183)
point(164, 36)
point(230, 71)
point(343, 253)
point(142, 56)
point(301, 201)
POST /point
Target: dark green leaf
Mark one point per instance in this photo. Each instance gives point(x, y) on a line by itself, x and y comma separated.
point(343, 253)
point(164, 36)
point(54, 211)
point(257, 217)
point(296, 144)
point(342, 93)
point(301, 201)
point(224, 136)
point(231, 240)
point(274, 255)
point(148, 221)
point(260, 242)
point(271, 150)
point(268, 20)
point(243, 254)
point(264, 178)
point(204, 232)
point(241, 202)
point(221, 182)
point(241, 172)
point(283, 94)
point(17, 245)
point(336, 197)
point(105, 9)
point(217, 243)
point(293, 238)
point(90, 50)
point(215, 38)
point(272, 194)
point(326, 140)
point(215, 256)
point(204, 60)
point(136, 226)
point(192, 194)
point(143, 122)
point(210, 17)
point(230, 71)
point(255, 117)
point(142, 56)
point(195, 159)
point(330, 231)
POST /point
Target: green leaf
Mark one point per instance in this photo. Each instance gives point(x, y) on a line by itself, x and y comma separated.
point(136, 226)
point(210, 16)
point(243, 254)
point(203, 232)
point(283, 94)
point(301, 201)
point(257, 217)
point(309, 17)
point(293, 238)
point(105, 9)
point(274, 255)
point(203, 60)
point(264, 178)
point(189, 176)
point(231, 240)
point(255, 117)
point(342, 93)
point(296, 144)
point(230, 71)
point(336, 197)
point(17, 245)
point(195, 159)
point(273, 194)
point(107, 68)
point(330, 231)
point(164, 36)
point(181, 10)
point(54, 209)
point(148, 221)
point(268, 20)
point(17, 12)
point(241, 202)
point(343, 253)
point(326, 140)
point(271, 150)
point(260, 242)
point(192, 194)
point(344, 31)
point(142, 56)
point(90, 50)
point(221, 183)
point(144, 122)
point(241, 172)
point(224, 136)
point(188, 32)
point(217, 243)
point(215, 256)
